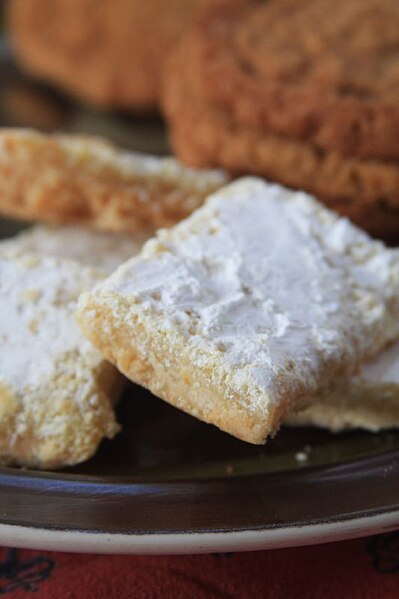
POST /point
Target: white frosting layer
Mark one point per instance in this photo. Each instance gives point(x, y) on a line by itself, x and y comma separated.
point(37, 327)
point(282, 290)
point(92, 248)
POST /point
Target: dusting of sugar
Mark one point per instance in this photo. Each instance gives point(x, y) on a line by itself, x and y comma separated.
point(291, 292)
point(91, 248)
point(37, 302)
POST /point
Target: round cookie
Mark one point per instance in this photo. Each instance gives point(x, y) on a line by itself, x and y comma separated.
point(109, 53)
point(204, 134)
point(324, 72)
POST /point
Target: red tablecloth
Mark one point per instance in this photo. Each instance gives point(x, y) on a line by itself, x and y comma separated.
point(364, 569)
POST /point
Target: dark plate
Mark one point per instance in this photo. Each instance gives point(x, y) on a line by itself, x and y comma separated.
point(169, 483)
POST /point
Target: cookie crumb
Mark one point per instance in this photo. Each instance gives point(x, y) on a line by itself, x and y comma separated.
point(303, 455)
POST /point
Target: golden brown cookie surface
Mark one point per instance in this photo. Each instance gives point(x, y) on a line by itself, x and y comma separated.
point(206, 133)
point(109, 53)
point(325, 73)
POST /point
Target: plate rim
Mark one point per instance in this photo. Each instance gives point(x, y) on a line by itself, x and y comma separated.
point(39, 525)
point(197, 543)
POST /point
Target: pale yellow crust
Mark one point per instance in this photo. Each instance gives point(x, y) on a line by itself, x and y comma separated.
point(64, 179)
point(364, 406)
point(47, 428)
point(141, 351)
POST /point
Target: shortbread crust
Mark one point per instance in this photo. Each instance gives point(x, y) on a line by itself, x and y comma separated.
point(249, 308)
point(75, 179)
point(368, 400)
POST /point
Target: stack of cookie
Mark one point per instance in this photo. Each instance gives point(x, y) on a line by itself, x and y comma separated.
point(304, 93)
point(248, 310)
point(260, 307)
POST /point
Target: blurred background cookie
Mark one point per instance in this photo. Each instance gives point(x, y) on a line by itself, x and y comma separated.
point(300, 92)
point(108, 53)
point(326, 73)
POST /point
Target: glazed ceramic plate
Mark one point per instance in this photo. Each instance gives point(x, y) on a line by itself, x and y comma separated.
point(168, 483)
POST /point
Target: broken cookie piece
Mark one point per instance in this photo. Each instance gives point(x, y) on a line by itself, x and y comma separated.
point(248, 308)
point(56, 390)
point(76, 179)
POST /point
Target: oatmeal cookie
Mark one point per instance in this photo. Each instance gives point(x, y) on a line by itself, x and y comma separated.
point(109, 53)
point(325, 73)
point(204, 134)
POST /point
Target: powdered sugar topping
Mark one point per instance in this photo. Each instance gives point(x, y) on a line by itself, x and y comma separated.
point(278, 287)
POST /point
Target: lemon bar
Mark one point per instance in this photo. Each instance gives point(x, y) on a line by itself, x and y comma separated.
point(247, 309)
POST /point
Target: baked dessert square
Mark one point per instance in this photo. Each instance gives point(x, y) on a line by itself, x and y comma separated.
point(248, 308)
point(56, 390)
point(82, 180)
